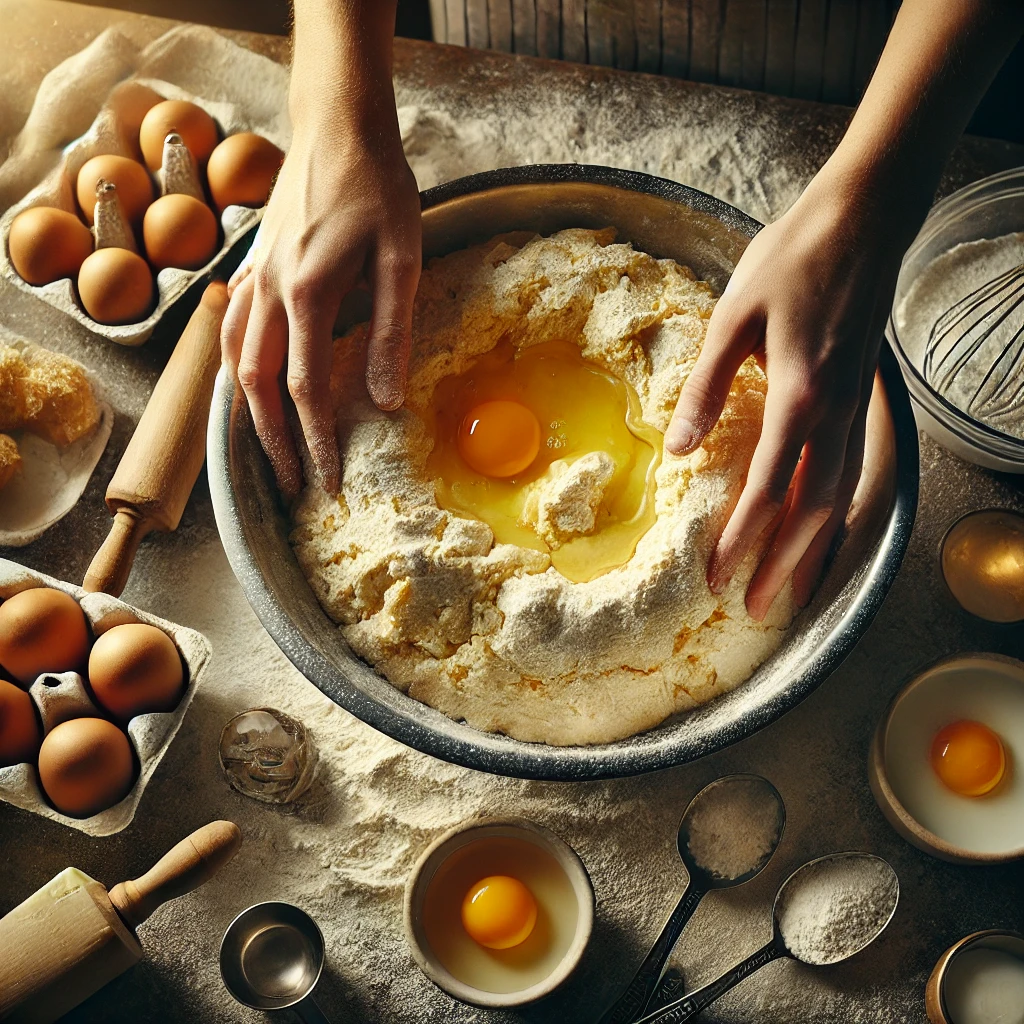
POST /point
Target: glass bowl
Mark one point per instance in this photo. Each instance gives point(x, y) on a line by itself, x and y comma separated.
point(985, 209)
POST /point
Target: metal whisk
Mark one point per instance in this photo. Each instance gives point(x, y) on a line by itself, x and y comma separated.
point(966, 328)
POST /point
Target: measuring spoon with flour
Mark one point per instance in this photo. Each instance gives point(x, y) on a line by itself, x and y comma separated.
point(825, 912)
point(729, 832)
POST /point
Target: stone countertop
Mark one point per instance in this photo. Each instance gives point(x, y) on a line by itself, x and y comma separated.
point(343, 852)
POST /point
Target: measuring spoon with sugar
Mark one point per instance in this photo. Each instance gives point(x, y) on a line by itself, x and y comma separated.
point(729, 832)
point(826, 911)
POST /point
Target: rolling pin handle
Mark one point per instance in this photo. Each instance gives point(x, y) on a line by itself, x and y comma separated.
point(112, 564)
point(186, 866)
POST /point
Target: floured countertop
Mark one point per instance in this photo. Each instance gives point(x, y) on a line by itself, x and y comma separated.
point(344, 851)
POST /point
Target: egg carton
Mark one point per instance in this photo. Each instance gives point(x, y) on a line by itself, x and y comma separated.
point(115, 130)
point(150, 734)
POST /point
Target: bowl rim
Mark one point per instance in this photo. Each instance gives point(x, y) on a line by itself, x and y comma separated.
point(502, 755)
point(992, 441)
point(569, 860)
point(935, 988)
point(885, 796)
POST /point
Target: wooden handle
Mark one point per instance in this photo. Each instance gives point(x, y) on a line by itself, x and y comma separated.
point(112, 564)
point(195, 860)
point(154, 479)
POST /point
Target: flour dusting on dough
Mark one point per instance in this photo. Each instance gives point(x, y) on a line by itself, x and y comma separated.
point(492, 634)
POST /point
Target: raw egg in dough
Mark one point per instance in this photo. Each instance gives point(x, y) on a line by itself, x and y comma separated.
point(47, 244)
point(42, 630)
point(499, 439)
point(19, 727)
point(500, 427)
point(968, 757)
point(135, 669)
point(116, 286)
point(195, 126)
point(86, 766)
point(499, 912)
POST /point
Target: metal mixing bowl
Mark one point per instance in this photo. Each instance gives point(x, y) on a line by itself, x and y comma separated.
point(667, 220)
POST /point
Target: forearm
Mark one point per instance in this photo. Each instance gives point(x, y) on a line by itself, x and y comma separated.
point(940, 58)
point(341, 66)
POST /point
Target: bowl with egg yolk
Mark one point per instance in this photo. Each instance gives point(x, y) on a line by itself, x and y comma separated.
point(512, 576)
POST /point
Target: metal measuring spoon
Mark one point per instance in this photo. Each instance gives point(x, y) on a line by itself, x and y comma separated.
point(729, 832)
point(825, 912)
point(271, 957)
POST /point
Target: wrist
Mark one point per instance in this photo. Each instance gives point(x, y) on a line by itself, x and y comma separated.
point(341, 66)
point(875, 192)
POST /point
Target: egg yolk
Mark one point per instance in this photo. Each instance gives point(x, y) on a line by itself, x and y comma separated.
point(500, 425)
point(499, 438)
point(968, 758)
point(499, 912)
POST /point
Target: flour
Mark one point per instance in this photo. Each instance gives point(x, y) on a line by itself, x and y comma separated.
point(491, 633)
point(735, 829)
point(344, 851)
point(709, 144)
point(834, 908)
point(940, 286)
point(564, 502)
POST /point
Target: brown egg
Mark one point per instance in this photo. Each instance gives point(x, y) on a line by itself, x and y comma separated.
point(47, 244)
point(135, 669)
point(130, 102)
point(19, 728)
point(116, 287)
point(195, 126)
point(42, 630)
point(86, 766)
point(179, 231)
point(241, 170)
point(134, 187)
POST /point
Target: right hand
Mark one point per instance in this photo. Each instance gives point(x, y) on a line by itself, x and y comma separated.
point(345, 213)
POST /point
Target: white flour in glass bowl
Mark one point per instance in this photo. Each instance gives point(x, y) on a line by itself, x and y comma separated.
point(941, 285)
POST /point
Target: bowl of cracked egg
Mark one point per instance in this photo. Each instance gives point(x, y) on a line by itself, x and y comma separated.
point(498, 912)
point(957, 322)
point(945, 764)
point(512, 575)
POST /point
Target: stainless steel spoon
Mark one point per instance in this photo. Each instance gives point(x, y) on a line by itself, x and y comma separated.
point(271, 957)
point(813, 921)
point(729, 832)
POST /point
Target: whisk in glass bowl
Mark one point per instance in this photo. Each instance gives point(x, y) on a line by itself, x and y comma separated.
point(957, 322)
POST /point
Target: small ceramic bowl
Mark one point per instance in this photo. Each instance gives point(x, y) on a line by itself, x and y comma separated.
point(908, 703)
point(935, 993)
point(982, 567)
point(424, 873)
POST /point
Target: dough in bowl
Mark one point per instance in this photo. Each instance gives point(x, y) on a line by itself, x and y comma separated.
point(492, 633)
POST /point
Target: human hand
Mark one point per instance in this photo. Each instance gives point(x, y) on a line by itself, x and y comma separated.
point(809, 298)
point(345, 213)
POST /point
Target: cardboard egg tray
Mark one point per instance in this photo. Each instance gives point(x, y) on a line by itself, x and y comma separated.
point(116, 130)
point(150, 735)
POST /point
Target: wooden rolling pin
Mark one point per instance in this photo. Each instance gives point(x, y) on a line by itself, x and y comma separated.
point(156, 474)
point(66, 941)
